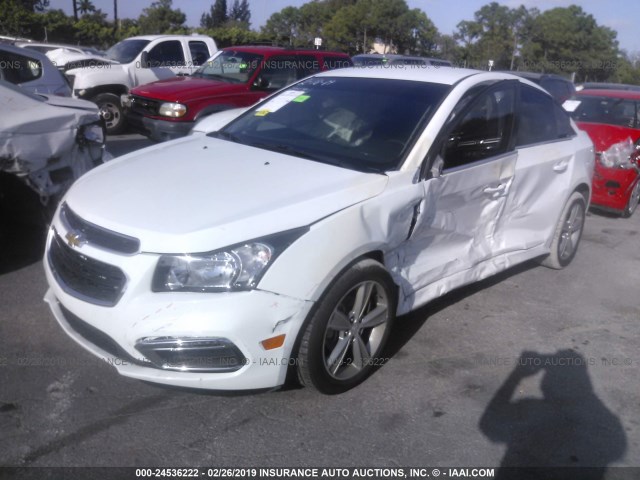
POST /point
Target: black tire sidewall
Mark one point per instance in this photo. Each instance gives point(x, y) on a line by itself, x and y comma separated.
point(311, 367)
point(630, 208)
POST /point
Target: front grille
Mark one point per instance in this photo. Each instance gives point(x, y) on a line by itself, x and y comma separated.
point(98, 236)
point(83, 277)
point(144, 106)
point(97, 337)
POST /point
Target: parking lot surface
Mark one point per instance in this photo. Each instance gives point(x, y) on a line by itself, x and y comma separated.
point(532, 367)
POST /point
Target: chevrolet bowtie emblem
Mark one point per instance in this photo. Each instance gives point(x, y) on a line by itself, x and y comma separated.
point(75, 239)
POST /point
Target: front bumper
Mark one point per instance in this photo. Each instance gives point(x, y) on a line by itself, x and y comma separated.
point(243, 319)
point(158, 130)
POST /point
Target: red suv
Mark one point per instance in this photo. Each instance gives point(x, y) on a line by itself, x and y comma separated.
point(234, 77)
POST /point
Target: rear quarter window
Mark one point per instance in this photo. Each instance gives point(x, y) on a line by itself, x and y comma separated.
point(19, 68)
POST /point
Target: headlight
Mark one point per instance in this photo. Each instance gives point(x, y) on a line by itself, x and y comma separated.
point(618, 154)
point(175, 110)
point(125, 100)
point(239, 267)
point(92, 133)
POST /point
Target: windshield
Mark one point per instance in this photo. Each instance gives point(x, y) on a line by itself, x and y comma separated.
point(126, 51)
point(363, 124)
point(230, 66)
point(612, 111)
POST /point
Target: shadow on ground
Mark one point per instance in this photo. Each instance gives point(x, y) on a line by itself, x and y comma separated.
point(23, 225)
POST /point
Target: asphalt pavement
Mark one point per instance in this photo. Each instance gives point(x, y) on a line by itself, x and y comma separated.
point(533, 367)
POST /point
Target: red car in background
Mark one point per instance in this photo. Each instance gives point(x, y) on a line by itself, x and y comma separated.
point(234, 77)
point(612, 120)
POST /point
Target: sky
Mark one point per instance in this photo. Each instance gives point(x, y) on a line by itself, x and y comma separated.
point(620, 15)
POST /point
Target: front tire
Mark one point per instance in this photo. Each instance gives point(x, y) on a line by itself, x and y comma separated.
point(348, 330)
point(111, 111)
point(568, 233)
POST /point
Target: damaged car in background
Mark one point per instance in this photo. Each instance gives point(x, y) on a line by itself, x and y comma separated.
point(285, 238)
point(48, 141)
point(612, 120)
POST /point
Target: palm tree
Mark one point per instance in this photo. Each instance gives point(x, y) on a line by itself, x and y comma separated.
point(86, 6)
point(75, 10)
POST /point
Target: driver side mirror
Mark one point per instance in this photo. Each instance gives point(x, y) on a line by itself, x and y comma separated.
point(261, 83)
point(436, 168)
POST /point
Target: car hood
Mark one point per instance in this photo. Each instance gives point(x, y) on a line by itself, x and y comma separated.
point(603, 135)
point(184, 89)
point(198, 194)
point(69, 102)
point(61, 57)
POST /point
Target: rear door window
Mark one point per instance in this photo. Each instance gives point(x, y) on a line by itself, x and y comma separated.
point(199, 52)
point(279, 71)
point(167, 54)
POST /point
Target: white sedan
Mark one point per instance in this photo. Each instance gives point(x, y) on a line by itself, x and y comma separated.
point(288, 237)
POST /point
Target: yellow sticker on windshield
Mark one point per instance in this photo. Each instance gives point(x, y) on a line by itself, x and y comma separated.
point(301, 98)
point(261, 113)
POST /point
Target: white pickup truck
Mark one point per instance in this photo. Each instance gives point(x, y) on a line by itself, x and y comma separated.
point(136, 61)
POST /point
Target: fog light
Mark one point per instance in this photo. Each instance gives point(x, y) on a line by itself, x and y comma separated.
point(273, 342)
point(192, 354)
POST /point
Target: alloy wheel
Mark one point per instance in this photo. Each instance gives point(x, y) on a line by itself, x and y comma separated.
point(355, 330)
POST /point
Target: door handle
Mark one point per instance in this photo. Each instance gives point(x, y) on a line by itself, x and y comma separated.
point(561, 166)
point(495, 190)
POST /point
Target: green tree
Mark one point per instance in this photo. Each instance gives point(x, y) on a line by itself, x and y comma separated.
point(417, 34)
point(240, 12)
point(568, 40)
point(352, 28)
point(17, 19)
point(127, 28)
point(160, 17)
point(55, 26)
point(283, 25)
point(94, 29)
point(313, 16)
point(386, 18)
point(217, 15)
point(86, 6)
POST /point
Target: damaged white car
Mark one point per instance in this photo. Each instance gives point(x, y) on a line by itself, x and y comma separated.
point(48, 141)
point(290, 238)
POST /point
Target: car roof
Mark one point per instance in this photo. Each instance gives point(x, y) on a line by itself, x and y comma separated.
point(423, 73)
point(155, 37)
point(393, 56)
point(24, 52)
point(272, 49)
point(536, 75)
point(608, 86)
point(626, 94)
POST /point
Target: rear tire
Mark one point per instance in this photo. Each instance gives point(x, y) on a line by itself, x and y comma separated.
point(568, 233)
point(634, 199)
point(341, 343)
point(111, 112)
